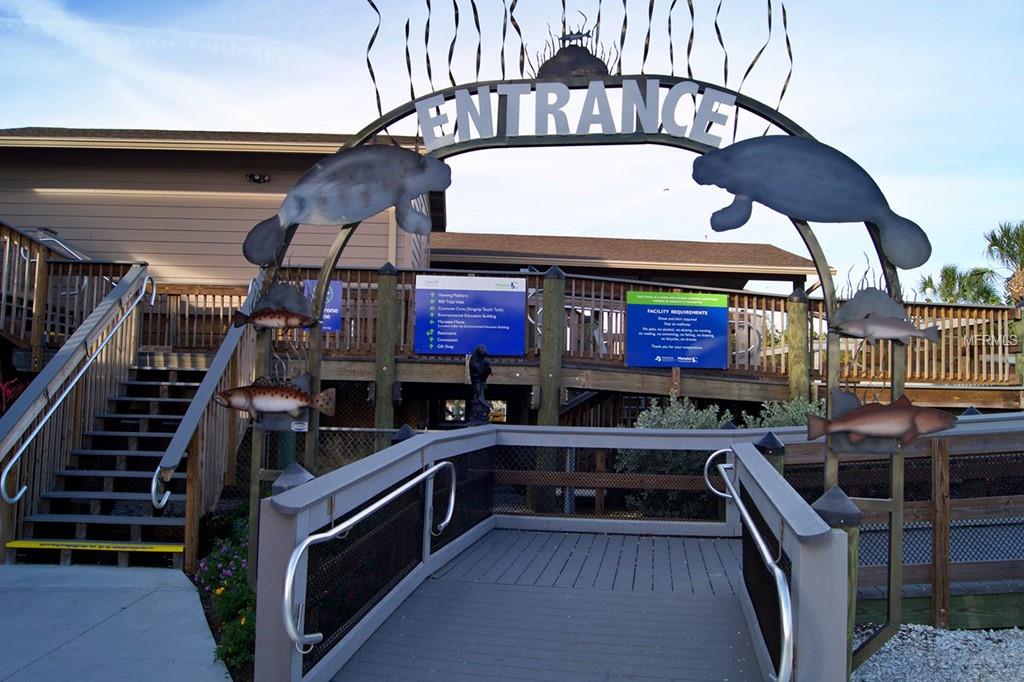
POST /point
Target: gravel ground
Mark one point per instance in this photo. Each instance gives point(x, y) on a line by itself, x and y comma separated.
point(921, 653)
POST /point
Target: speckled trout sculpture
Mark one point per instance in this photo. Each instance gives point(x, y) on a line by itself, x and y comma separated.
point(349, 186)
point(273, 318)
point(259, 399)
point(882, 328)
point(806, 180)
point(899, 419)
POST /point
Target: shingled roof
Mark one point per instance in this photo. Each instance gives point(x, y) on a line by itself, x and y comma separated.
point(202, 140)
point(651, 254)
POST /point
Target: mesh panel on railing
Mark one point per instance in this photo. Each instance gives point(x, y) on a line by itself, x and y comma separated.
point(627, 484)
point(759, 580)
point(474, 495)
point(347, 577)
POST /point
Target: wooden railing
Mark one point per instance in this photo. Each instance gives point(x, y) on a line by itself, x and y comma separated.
point(977, 344)
point(48, 419)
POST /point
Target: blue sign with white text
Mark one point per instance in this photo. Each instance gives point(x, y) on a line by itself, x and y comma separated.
point(331, 320)
point(454, 315)
point(668, 329)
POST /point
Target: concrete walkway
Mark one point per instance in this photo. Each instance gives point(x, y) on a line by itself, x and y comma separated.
point(101, 623)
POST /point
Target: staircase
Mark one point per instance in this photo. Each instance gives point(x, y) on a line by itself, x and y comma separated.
point(99, 511)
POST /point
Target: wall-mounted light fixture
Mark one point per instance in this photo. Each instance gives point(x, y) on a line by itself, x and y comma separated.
point(258, 178)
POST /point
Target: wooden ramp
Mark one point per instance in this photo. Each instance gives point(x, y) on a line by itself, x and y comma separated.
point(523, 605)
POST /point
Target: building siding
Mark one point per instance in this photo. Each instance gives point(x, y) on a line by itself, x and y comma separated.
point(184, 213)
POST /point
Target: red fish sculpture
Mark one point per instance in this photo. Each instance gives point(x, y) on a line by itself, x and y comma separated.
point(273, 318)
point(899, 419)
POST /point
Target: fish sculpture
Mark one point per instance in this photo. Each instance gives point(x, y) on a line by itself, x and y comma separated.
point(899, 419)
point(806, 180)
point(273, 318)
point(275, 399)
point(882, 328)
point(348, 186)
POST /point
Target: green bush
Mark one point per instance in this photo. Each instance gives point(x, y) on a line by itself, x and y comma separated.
point(683, 414)
point(783, 413)
point(237, 638)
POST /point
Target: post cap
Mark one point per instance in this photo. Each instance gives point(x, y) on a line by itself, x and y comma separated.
point(404, 433)
point(729, 426)
point(798, 295)
point(970, 412)
point(770, 445)
point(836, 509)
point(291, 477)
point(388, 269)
point(554, 272)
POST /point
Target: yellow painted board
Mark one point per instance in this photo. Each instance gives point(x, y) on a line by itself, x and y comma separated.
point(98, 546)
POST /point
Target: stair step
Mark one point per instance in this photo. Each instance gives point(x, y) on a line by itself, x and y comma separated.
point(189, 384)
point(129, 434)
point(98, 545)
point(97, 495)
point(119, 453)
point(150, 399)
point(110, 473)
point(127, 416)
point(104, 519)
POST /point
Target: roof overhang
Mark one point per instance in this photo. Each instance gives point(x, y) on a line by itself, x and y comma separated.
point(519, 259)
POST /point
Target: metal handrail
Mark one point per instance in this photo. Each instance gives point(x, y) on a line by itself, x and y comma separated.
point(292, 624)
point(178, 446)
point(785, 667)
point(67, 390)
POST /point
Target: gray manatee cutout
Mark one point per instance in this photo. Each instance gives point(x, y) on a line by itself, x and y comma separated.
point(806, 180)
point(287, 296)
point(843, 402)
point(352, 185)
point(869, 301)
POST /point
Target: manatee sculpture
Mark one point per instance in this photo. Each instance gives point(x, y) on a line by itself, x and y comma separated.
point(349, 186)
point(806, 180)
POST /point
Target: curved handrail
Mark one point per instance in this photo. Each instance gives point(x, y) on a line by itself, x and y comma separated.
point(287, 603)
point(178, 446)
point(785, 666)
point(126, 313)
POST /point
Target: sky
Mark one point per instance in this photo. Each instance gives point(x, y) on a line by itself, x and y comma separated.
point(926, 96)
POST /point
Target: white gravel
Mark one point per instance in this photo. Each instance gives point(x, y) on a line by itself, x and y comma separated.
point(921, 653)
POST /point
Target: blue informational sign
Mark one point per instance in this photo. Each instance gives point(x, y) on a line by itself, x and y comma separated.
point(454, 315)
point(665, 329)
point(331, 320)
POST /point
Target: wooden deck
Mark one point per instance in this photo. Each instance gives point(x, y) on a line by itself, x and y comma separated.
point(522, 605)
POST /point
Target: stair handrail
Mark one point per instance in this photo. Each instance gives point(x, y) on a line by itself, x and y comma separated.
point(93, 329)
point(178, 447)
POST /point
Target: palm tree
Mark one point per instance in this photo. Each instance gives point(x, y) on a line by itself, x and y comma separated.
point(954, 285)
point(1006, 245)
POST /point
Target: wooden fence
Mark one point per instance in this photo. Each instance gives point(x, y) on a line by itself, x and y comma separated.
point(977, 343)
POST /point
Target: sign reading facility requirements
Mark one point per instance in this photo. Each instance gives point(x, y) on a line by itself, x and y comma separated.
point(331, 320)
point(666, 329)
point(455, 314)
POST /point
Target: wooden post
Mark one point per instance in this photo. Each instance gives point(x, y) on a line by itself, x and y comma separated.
point(839, 511)
point(940, 532)
point(193, 501)
point(552, 343)
point(262, 347)
point(798, 365)
point(387, 337)
point(39, 304)
point(1018, 331)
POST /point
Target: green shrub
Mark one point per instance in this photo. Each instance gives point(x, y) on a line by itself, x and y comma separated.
point(237, 638)
point(783, 413)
